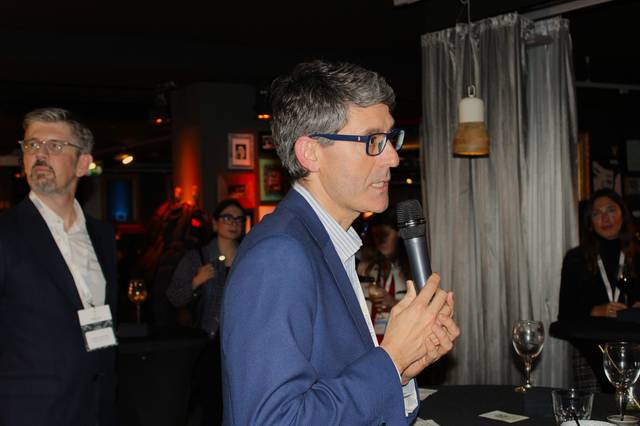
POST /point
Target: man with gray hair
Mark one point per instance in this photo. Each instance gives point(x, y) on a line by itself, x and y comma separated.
point(57, 287)
point(298, 346)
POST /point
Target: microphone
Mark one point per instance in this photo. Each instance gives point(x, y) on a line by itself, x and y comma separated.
point(412, 228)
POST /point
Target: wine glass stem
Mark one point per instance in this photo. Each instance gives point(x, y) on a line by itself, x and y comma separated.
point(527, 372)
point(138, 313)
point(621, 392)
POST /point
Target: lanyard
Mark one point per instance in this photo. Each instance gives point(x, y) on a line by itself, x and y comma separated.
point(605, 279)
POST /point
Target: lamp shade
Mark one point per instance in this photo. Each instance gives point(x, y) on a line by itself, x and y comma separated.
point(471, 138)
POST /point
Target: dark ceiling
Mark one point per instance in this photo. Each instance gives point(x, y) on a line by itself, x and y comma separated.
point(110, 60)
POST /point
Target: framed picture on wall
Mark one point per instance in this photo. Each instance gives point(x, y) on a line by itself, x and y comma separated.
point(240, 186)
point(266, 143)
point(271, 180)
point(241, 151)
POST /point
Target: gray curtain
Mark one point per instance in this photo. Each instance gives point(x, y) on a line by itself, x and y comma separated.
point(500, 226)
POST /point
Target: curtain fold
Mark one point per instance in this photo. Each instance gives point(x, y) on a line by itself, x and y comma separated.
point(499, 226)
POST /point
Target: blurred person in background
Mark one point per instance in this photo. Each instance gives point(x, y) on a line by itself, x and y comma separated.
point(384, 261)
point(198, 282)
point(599, 278)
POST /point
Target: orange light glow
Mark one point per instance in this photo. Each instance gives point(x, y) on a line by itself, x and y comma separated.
point(367, 215)
point(264, 116)
point(186, 165)
point(158, 121)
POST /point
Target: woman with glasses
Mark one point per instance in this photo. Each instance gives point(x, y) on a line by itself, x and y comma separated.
point(199, 281)
point(599, 278)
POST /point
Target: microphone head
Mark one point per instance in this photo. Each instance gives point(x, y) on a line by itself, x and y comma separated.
point(411, 221)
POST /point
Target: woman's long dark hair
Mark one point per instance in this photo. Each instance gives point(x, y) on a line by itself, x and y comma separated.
point(589, 240)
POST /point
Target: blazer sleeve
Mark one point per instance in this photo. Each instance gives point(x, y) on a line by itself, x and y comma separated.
point(267, 339)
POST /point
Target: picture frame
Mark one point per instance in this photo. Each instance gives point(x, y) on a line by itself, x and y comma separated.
point(241, 151)
point(271, 175)
point(266, 143)
point(240, 186)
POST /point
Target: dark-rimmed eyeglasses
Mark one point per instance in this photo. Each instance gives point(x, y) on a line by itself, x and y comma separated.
point(374, 143)
point(54, 146)
point(229, 219)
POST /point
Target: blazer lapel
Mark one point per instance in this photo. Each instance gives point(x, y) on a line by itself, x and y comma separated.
point(45, 251)
point(296, 202)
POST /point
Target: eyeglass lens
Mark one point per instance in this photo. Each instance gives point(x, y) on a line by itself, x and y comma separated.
point(376, 144)
point(53, 146)
point(227, 218)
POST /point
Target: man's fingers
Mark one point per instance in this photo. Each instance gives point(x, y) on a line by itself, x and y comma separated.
point(437, 302)
point(450, 326)
point(450, 302)
point(445, 342)
point(411, 289)
point(429, 289)
point(409, 296)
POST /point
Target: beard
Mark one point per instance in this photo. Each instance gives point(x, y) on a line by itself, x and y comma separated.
point(43, 182)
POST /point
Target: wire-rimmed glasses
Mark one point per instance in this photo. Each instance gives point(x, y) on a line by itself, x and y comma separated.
point(54, 146)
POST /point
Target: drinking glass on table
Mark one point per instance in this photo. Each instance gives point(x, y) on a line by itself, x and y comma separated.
point(528, 338)
point(621, 361)
point(571, 404)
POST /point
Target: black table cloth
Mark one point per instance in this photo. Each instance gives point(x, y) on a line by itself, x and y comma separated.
point(461, 405)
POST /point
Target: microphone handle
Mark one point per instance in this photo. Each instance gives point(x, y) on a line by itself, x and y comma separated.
point(418, 260)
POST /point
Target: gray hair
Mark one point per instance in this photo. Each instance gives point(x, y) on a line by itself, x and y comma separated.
point(81, 133)
point(314, 98)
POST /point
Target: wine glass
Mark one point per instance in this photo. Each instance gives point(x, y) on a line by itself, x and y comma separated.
point(621, 362)
point(527, 338)
point(137, 294)
point(623, 284)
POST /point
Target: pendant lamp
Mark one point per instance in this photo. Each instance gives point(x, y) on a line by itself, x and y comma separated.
point(472, 138)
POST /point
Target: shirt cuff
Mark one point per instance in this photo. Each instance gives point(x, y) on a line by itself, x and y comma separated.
point(410, 397)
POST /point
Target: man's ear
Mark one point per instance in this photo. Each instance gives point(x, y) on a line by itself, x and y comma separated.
point(306, 150)
point(82, 166)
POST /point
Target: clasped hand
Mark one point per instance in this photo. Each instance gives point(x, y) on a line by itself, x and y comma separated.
point(205, 272)
point(421, 328)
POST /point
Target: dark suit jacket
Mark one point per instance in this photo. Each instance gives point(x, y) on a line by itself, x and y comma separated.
point(46, 375)
point(296, 348)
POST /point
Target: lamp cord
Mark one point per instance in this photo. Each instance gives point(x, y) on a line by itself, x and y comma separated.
point(471, 88)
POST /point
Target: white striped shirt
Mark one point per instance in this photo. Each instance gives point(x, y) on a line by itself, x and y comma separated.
point(347, 243)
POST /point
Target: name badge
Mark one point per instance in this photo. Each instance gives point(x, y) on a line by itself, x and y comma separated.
point(96, 324)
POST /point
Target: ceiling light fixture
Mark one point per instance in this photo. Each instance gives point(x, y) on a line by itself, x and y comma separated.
point(472, 138)
point(124, 158)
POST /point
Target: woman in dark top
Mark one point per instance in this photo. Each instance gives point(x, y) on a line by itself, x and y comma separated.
point(599, 277)
point(199, 279)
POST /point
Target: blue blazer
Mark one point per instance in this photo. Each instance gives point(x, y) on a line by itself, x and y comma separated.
point(296, 349)
point(46, 375)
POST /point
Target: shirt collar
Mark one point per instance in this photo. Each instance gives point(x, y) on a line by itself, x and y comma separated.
point(346, 243)
point(52, 218)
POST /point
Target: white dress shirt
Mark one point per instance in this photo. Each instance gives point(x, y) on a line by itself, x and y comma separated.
point(77, 251)
point(347, 243)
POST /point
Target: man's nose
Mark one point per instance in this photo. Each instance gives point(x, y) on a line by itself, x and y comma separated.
point(390, 156)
